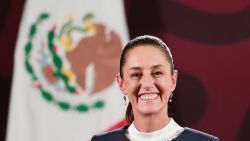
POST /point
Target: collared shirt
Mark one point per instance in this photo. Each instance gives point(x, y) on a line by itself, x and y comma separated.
point(167, 133)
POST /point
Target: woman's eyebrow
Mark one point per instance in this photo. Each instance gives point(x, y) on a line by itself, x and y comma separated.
point(135, 68)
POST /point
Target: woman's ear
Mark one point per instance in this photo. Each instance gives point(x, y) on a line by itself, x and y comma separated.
point(120, 82)
point(174, 80)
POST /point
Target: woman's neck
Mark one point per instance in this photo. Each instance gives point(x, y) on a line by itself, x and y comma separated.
point(150, 123)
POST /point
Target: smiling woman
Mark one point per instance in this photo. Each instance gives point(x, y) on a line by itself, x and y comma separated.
point(148, 78)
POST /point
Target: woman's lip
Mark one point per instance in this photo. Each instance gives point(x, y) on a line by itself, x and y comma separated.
point(148, 93)
point(148, 96)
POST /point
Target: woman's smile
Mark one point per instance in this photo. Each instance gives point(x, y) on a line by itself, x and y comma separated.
point(148, 96)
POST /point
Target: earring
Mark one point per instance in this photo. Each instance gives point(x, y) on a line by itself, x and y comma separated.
point(170, 97)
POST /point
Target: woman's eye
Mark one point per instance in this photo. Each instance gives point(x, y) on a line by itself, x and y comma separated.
point(136, 75)
point(157, 74)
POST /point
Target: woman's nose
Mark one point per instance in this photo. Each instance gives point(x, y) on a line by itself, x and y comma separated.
point(147, 82)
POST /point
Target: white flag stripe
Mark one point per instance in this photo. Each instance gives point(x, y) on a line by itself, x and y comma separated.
point(37, 116)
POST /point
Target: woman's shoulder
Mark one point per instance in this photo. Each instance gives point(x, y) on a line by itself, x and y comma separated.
point(114, 135)
point(188, 134)
point(195, 135)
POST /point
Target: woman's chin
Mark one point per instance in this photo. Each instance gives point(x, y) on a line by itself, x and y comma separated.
point(150, 110)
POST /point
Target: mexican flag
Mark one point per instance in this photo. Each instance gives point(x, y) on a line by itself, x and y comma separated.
point(66, 60)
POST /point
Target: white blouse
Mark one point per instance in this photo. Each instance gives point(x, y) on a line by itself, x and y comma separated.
point(167, 133)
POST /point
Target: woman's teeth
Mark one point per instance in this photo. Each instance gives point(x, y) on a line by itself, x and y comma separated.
point(148, 96)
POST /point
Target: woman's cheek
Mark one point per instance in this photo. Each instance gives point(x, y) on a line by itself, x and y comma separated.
point(133, 86)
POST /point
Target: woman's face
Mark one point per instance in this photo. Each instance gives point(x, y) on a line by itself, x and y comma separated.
point(147, 80)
